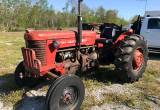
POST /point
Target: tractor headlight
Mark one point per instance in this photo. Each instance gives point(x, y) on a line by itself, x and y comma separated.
point(56, 44)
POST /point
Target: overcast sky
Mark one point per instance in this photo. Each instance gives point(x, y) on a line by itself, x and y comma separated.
point(126, 8)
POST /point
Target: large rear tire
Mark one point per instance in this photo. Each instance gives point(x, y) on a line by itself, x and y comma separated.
point(131, 58)
point(66, 93)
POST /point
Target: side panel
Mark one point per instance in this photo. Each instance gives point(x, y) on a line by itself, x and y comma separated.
point(50, 57)
point(71, 42)
point(152, 35)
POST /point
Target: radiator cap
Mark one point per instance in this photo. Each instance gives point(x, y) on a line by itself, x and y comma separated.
point(29, 30)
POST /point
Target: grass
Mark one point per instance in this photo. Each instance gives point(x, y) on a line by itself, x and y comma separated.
point(147, 96)
point(10, 53)
point(10, 56)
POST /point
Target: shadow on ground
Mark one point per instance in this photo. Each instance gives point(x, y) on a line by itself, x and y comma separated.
point(105, 74)
point(31, 103)
point(7, 84)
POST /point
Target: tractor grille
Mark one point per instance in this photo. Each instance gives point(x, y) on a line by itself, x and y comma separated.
point(40, 49)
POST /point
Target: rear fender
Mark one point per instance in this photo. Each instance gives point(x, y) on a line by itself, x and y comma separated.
point(123, 36)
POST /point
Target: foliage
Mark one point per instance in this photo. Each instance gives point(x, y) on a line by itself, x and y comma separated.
point(21, 14)
point(134, 18)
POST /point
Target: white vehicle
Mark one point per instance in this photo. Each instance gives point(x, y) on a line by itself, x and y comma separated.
point(149, 27)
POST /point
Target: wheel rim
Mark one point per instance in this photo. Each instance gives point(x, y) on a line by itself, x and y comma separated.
point(68, 98)
point(138, 59)
point(20, 75)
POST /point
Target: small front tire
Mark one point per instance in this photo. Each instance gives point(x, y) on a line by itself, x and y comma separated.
point(66, 93)
point(19, 74)
point(20, 77)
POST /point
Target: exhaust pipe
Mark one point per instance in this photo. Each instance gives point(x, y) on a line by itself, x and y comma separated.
point(79, 24)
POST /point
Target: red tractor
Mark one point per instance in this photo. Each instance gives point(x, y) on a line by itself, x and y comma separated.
point(62, 54)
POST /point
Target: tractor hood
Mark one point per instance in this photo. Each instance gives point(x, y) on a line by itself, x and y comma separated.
point(54, 35)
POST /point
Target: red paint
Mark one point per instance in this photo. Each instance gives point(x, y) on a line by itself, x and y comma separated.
point(138, 59)
point(123, 35)
point(65, 39)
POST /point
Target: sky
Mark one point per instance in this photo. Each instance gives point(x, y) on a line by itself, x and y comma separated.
point(127, 8)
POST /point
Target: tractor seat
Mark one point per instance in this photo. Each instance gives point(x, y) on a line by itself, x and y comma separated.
point(110, 33)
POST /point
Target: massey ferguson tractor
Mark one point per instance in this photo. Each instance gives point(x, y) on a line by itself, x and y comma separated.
point(62, 54)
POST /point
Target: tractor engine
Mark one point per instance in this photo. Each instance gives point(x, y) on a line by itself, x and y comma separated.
point(82, 60)
point(57, 52)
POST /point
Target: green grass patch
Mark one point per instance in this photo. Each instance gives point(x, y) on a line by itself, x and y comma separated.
point(13, 97)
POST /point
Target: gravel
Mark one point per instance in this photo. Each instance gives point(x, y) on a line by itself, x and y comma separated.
point(112, 107)
point(35, 99)
point(1, 105)
point(113, 89)
point(8, 107)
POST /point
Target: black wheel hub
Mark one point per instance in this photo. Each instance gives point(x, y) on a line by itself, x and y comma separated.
point(68, 97)
point(21, 76)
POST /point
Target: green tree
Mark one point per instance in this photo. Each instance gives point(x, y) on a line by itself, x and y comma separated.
point(111, 16)
point(100, 13)
point(134, 18)
point(21, 14)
